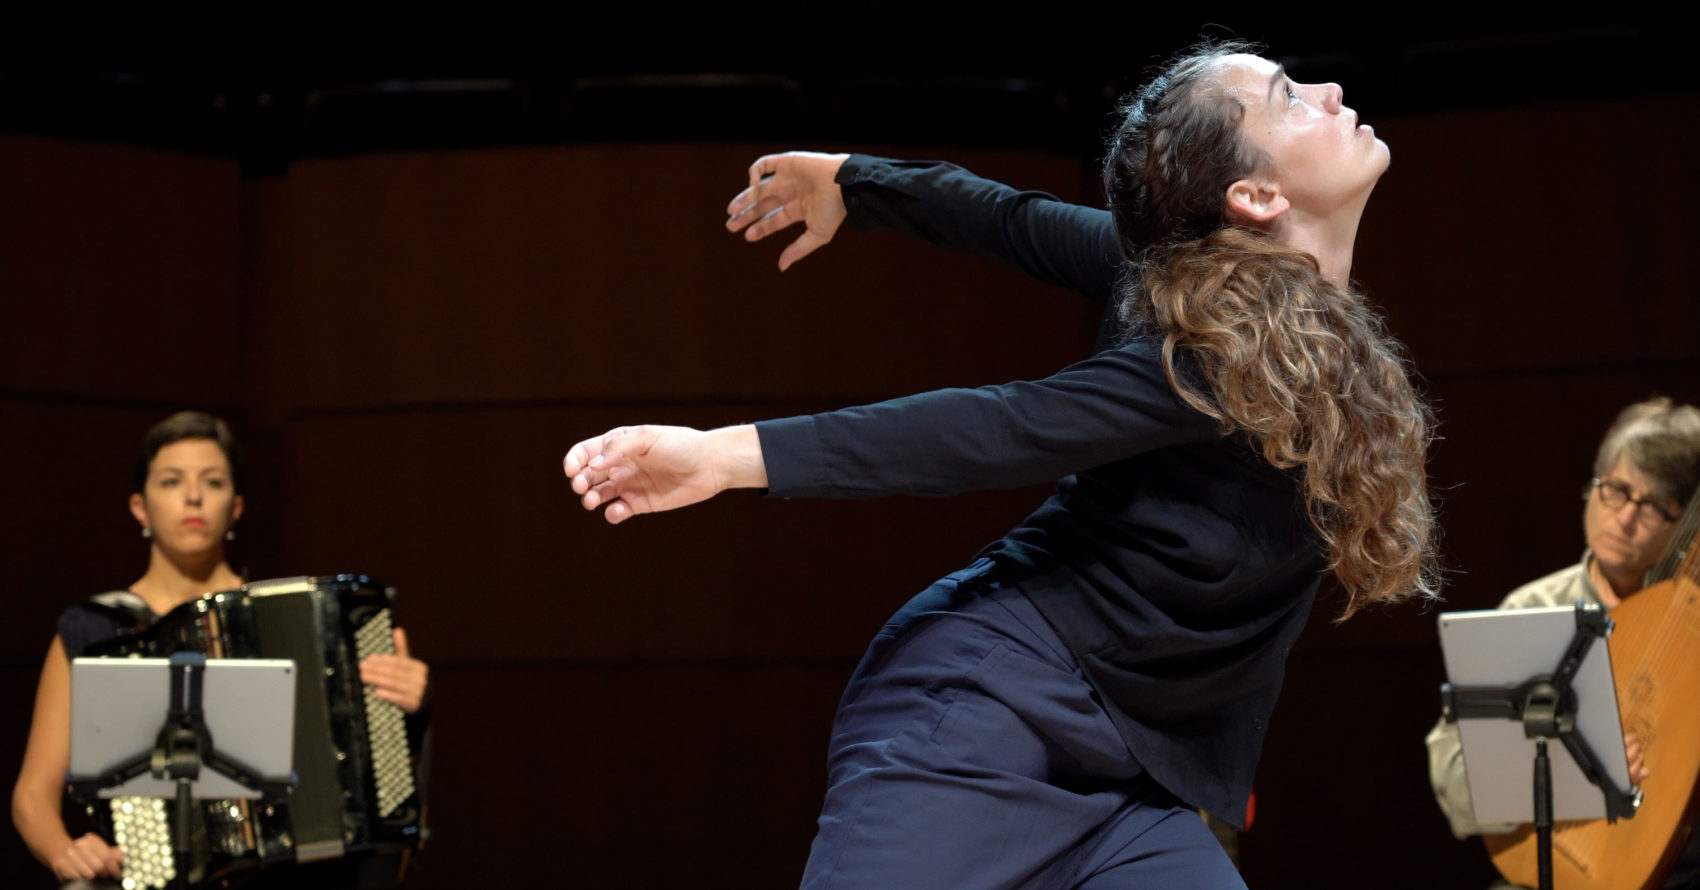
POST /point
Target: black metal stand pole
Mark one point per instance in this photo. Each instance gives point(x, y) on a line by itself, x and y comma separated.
point(1543, 814)
point(180, 847)
point(182, 740)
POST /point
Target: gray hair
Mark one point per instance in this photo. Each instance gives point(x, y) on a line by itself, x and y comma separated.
point(1662, 440)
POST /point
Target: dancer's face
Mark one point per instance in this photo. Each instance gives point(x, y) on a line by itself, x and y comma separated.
point(1323, 159)
point(189, 500)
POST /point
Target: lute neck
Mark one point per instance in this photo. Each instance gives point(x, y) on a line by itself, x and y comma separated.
point(1679, 556)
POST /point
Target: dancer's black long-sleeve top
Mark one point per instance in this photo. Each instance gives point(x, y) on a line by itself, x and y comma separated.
point(1176, 563)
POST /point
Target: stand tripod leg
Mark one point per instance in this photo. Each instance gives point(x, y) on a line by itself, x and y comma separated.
point(1543, 814)
point(180, 835)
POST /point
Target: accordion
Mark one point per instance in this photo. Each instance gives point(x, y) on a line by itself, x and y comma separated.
point(356, 796)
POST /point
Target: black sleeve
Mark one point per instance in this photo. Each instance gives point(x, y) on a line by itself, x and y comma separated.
point(85, 627)
point(1054, 241)
point(1112, 406)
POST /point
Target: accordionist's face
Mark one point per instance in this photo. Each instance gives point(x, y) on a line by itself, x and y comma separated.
point(190, 500)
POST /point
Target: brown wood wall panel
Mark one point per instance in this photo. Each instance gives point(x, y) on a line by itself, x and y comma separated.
point(1342, 792)
point(682, 775)
point(1528, 238)
point(119, 272)
point(65, 524)
point(606, 272)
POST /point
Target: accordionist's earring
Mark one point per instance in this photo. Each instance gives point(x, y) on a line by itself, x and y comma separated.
point(230, 535)
point(147, 532)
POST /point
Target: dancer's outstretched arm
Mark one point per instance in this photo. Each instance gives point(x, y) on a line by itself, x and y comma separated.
point(936, 444)
point(1057, 242)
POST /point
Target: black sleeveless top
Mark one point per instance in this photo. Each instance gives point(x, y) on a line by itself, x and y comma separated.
point(102, 618)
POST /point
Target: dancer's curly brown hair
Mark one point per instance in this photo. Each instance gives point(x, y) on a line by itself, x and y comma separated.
point(1302, 365)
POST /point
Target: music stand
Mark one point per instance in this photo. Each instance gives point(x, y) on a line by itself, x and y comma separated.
point(1522, 677)
point(119, 746)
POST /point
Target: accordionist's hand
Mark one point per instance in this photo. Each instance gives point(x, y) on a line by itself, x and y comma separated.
point(87, 858)
point(400, 678)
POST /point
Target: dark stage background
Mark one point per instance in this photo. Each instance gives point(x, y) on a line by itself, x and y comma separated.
point(415, 267)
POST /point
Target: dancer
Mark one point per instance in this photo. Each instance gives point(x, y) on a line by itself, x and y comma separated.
point(1052, 714)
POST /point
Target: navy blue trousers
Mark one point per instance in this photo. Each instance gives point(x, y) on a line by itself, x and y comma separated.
point(969, 753)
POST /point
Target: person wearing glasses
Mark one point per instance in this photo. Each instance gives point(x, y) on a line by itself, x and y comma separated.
point(1647, 468)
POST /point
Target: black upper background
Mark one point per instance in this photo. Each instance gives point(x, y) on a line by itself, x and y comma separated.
point(270, 83)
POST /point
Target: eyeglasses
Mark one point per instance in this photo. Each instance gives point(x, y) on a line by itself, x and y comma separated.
point(1614, 494)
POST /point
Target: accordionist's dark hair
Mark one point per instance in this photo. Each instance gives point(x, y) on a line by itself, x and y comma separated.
point(186, 425)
